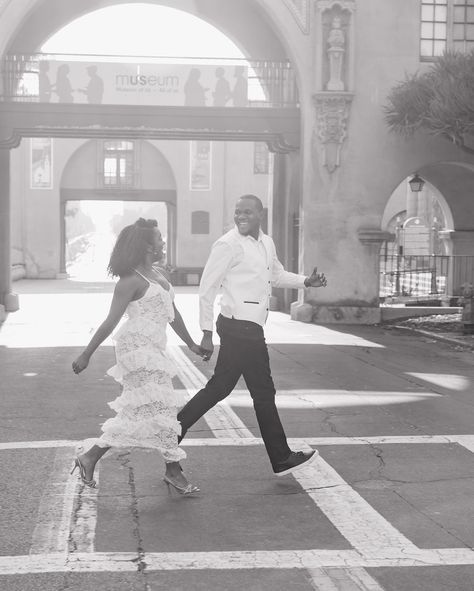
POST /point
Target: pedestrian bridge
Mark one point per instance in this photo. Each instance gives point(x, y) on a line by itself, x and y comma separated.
point(155, 98)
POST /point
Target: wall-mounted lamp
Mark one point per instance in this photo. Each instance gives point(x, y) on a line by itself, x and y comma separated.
point(416, 183)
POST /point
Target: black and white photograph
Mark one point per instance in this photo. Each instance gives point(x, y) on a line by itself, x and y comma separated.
point(237, 295)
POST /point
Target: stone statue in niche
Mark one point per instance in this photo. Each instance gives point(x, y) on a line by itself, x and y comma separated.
point(336, 50)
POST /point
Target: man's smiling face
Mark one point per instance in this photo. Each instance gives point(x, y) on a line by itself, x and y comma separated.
point(248, 217)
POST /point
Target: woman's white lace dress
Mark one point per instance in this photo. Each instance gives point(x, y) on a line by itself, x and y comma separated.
point(148, 406)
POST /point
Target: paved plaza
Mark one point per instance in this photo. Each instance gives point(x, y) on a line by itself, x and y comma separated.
point(386, 506)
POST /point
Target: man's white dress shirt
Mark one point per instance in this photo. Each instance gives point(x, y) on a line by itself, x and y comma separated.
point(244, 269)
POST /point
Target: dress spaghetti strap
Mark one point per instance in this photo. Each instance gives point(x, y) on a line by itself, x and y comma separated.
point(143, 276)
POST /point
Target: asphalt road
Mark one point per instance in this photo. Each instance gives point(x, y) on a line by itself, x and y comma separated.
point(386, 506)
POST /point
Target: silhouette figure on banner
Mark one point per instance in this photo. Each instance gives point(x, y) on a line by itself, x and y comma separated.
point(194, 91)
point(62, 87)
point(221, 92)
point(94, 91)
point(44, 83)
point(240, 90)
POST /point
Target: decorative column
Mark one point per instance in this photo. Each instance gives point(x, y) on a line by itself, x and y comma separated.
point(8, 300)
point(285, 222)
point(171, 230)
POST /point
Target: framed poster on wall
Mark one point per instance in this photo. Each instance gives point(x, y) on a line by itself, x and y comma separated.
point(41, 163)
point(200, 172)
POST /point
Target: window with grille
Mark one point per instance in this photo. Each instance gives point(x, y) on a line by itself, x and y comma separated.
point(446, 25)
point(118, 164)
point(463, 25)
point(434, 28)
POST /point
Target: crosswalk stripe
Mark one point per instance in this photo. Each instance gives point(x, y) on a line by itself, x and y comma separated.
point(346, 579)
point(237, 560)
point(466, 441)
point(51, 533)
point(221, 419)
point(362, 526)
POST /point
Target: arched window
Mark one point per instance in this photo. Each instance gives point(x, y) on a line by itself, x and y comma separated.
point(200, 222)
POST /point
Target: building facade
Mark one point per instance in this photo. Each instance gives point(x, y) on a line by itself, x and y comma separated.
point(336, 166)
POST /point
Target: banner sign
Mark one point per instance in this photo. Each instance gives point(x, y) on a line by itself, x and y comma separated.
point(41, 163)
point(200, 171)
point(142, 84)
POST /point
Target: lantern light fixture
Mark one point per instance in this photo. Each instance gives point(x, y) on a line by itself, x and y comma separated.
point(416, 183)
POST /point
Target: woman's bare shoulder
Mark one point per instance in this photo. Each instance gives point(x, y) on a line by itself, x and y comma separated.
point(128, 283)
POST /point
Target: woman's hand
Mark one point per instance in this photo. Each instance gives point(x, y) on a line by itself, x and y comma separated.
point(80, 363)
point(195, 348)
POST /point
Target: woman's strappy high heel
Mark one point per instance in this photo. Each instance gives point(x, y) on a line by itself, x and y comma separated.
point(82, 474)
point(186, 491)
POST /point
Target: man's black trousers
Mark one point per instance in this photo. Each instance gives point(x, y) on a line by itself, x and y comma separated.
point(243, 352)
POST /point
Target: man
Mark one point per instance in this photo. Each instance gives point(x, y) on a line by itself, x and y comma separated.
point(244, 264)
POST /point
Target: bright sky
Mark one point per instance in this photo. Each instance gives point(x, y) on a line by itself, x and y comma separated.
point(142, 30)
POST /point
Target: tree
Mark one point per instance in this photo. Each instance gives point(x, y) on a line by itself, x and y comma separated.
point(439, 100)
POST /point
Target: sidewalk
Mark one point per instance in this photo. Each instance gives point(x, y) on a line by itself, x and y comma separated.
point(444, 327)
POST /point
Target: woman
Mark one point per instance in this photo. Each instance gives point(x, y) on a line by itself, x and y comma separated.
point(147, 407)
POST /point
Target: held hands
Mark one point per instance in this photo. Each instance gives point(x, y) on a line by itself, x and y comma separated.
point(80, 363)
point(199, 351)
point(207, 346)
point(316, 279)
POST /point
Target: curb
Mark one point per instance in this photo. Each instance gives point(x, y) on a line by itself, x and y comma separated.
point(437, 336)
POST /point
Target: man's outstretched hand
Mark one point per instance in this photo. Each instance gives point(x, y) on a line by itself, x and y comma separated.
point(316, 279)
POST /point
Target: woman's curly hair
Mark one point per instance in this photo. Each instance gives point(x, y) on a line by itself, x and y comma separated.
point(131, 247)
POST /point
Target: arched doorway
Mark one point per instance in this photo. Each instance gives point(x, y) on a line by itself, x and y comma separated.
point(105, 185)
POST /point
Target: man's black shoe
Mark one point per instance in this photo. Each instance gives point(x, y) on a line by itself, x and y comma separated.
point(296, 460)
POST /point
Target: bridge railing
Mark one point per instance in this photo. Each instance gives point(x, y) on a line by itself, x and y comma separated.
point(424, 275)
point(67, 78)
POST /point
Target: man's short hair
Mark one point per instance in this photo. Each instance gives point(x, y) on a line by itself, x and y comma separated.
point(255, 199)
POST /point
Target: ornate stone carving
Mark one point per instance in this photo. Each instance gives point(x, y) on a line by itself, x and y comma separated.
point(334, 45)
point(300, 9)
point(336, 50)
point(332, 114)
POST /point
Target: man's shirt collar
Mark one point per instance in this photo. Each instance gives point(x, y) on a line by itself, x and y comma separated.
point(248, 236)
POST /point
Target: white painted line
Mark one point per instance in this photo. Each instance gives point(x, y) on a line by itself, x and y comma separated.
point(67, 513)
point(221, 419)
point(346, 579)
point(84, 522)
point(362, 526)
point(465, 440)
point(284, 559)
point(37, 444)
point(51, 533)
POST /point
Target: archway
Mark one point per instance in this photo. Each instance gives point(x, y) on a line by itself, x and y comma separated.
point(105, 185)
point(429, 253)
point(269, 43)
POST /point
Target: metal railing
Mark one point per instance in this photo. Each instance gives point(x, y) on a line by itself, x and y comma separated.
point(424, 275)
point(269, 83)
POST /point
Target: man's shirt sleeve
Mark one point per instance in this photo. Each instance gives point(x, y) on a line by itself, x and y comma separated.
point(282, 278)
point(213, 275)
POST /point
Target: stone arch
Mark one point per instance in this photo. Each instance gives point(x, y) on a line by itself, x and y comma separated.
point(239, 21)
point(455, 181)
